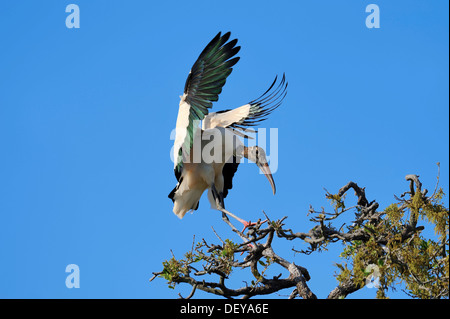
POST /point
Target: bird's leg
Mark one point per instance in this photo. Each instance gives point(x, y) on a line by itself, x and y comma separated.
point(218, 197)
point(219, 201)
point(249, 224)
point(222, 202)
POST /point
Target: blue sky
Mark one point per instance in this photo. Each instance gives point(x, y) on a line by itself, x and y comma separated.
point(86, 116)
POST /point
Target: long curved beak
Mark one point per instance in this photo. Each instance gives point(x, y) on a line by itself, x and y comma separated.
point(266, 170)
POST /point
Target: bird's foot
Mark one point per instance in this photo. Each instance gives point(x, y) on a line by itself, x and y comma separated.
point(250, 224)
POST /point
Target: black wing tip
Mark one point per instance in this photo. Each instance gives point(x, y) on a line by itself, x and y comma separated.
point(226, 34)
point(213, 65)
point(223, 39)
point(278, 91)
point(269, 101)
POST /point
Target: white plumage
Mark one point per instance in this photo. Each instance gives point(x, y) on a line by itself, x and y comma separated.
point(197, 177)
point(225, 119)
point(207, 157)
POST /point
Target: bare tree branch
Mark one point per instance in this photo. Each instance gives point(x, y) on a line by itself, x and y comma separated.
point(369, 235)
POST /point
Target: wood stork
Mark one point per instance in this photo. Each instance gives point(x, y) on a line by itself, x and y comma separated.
point(193, 172)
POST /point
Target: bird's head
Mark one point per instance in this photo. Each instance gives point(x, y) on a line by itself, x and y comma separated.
point(257, 155)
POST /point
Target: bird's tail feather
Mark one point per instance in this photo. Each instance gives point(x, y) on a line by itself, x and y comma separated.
point(188, 201)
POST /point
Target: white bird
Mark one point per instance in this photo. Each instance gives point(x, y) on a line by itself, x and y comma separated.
point(207, 158)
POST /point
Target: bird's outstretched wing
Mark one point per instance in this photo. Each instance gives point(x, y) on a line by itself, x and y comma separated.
point(203, 86)
point(251, 113)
